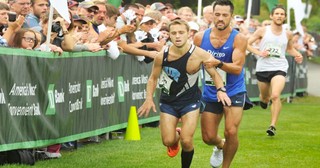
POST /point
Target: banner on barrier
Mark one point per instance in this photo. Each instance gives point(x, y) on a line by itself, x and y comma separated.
point(45, 99)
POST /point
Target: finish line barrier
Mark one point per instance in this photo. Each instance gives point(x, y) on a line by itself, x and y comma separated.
point(48, 99)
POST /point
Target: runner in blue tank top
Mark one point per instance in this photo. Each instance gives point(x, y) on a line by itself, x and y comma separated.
point(179, 65)
point(228, 47)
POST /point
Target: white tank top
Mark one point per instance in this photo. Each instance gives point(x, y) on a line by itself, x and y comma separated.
point(277, 46)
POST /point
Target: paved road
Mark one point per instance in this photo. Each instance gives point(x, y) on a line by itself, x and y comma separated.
point(313, 79)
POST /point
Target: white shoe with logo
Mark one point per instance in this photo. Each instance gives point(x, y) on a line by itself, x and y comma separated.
point(216, 157)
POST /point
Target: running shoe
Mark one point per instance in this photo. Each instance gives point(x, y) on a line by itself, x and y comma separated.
point(216, 157)
point(271, 131)
point(173, 150)
point(263, 105)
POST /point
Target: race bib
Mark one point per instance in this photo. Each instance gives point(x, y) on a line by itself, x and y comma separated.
point(165, 83)
point(274, 50)
point(210, 82)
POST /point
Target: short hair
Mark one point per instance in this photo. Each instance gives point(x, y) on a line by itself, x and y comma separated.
point(185, 8)
point(140, 6)
point(4, 6)
point(223, 3)
point(179, 22)
point(278, 7)
point(112, 10)
point(127, 6)
point(156, 15)
point(33, 1)
point(169, 5)
point(206, 8)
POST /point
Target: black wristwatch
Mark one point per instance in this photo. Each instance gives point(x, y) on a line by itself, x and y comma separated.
point(220, 65)
point(222, 89)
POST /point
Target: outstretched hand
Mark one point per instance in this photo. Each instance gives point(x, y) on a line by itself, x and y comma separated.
point(223, 98)
point(146, 107)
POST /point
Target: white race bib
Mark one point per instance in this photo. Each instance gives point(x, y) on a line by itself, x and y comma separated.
point(210, 82)
point(274, 50)
point(165, 83)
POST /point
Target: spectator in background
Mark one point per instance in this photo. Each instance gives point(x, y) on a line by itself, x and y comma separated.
point(170, 8)
point(110, 21)
point(164, 34)
point(98, 18)
point(20, 7)
point(238, 24)
point(39, 9)
point(61, 33)
point(253, 25)
point(140, 12)
point(122, 21)
point(194, 28)
point(296, 41)
point(4, 9)
point(207, 15)
point(158, 6)
point(6, 39)
point(13, 27)
point(86, 10)
point(266, 23)
point(43, 46)
point(81, 28)
point(309, 43)
point(126, 32)
point(159, 19)
point(25, 38)
point(185, 13)
point(73, 7)
point(146, 25)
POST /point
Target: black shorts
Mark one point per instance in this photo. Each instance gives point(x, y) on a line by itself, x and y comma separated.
point(266, 76)
point(179, 110)
point(238, 100)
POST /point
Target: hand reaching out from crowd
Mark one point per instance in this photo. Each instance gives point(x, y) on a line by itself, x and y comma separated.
point(94, 47)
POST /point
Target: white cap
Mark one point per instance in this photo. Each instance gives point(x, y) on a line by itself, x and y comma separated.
point(194, 26)
point(238, 18)
point(146, 19)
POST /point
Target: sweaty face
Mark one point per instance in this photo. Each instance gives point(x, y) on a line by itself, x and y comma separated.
point(178, 35)
point(222, 17)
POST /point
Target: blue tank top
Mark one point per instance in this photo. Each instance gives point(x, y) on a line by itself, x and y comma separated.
point(234, 83)
point(177, 86)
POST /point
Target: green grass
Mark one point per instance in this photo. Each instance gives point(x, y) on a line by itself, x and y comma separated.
point(297, 144)
point(315, 59)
